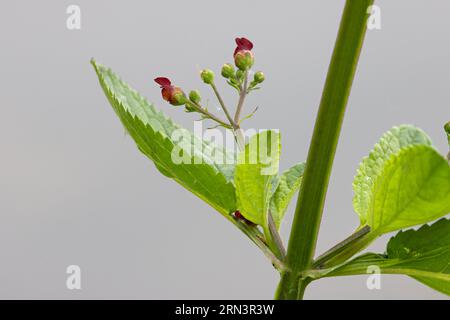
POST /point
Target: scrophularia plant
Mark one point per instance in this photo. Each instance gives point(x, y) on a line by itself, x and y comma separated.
point(403, 182)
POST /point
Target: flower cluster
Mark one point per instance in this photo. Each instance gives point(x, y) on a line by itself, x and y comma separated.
point(236, 78)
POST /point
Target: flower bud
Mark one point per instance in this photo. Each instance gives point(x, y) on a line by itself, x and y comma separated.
point(194, 96)
point(174, 95)
point(239, 74)
point(244, 59)
point(259, 77)
point(447, 130)
point(177, 97)
point(207, 76)
point(227, 71)
point(189, 108)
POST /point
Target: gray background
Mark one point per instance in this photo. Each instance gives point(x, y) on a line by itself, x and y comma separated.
point(75, 190)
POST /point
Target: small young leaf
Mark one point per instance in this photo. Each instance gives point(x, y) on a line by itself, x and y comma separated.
point(202, 168)
point(413, 188)
point(287, 185)
point(248, 116)
point(390, 143)
point(423, 254)
point(256, 169)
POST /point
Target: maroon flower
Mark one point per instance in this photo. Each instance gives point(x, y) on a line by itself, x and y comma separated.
point(174, 95)
point(242, 44)
point(243, 57)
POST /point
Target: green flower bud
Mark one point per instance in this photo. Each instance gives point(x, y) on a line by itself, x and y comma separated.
point(259, 77)
point(178, 97)
point(239, 74)
point(194, 96)
point(447, 130)
point(174, 95)
point(243, 59)
point(207, 76)
point(227, 71)
point(189, 108)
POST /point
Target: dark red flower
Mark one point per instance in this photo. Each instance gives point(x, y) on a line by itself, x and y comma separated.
point(174, 95)
point(243, 56)
point(242, 44)
point(163, 82)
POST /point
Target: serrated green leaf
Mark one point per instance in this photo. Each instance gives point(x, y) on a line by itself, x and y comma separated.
point(429, 247)
point(287, 185)
point(423, 254)
point(413, 188)
point(256, 169)
point(370, 168)
point(205, 170)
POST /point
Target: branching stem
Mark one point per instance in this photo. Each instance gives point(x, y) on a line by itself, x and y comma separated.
point(344, 249)
point(208, 114)
point(224, 107)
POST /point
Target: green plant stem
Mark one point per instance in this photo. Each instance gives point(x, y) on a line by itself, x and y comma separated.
point(240, 139)
point(257, 237)
point(222, 104)
point(239, 136)
point(308, 213)
point(242, 94)
point(301, 288)
point(275, 237)
point(275, 240)
point(386, 267)
point(208, 114)
point(344, 249)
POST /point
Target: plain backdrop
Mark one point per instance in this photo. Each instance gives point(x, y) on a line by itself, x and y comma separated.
point(75, 190)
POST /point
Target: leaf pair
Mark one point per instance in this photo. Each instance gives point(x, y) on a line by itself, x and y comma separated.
point(260, 191)
point(259, 188)
point(402, 183)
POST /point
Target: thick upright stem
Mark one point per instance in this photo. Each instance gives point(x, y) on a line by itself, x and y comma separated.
point(308, 213)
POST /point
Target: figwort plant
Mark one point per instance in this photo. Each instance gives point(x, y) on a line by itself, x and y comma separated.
point(404, 181)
